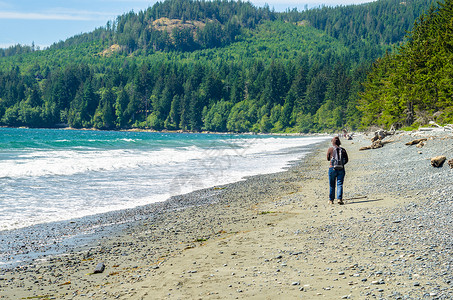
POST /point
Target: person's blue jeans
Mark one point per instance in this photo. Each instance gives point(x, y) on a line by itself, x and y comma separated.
point(336, 178)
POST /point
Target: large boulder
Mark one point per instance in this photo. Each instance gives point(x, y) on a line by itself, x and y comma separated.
point(438, 161)
point(100, 267)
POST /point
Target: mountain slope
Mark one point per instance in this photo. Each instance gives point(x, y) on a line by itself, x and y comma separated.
point(214, 65)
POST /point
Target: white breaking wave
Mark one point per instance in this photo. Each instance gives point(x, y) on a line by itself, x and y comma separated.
point(71, 162)
point(46, 186)
point(44, 163)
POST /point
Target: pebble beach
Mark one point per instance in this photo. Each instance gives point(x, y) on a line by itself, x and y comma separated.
point(275, 236)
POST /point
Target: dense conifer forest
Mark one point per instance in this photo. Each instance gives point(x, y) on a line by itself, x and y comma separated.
point(414, 85)
point(215, 66)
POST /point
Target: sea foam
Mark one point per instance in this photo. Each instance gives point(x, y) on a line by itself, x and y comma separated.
point(100, 172)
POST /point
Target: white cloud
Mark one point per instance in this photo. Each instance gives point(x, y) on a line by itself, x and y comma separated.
point(39, 16)
point(4, 4)
point(78, 12)
point(55, 15)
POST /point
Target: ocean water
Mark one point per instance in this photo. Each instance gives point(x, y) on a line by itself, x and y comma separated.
point(50, 175)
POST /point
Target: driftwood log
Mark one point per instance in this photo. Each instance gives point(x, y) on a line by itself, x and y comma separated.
point(377, 144)
point(416, 142)
point(376, 140)
point(438, 161)
point(450, 163)
point(380, 135)
point(420, 145)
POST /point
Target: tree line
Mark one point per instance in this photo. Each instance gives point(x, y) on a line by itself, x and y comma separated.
point(413, 86)
point(256, 97)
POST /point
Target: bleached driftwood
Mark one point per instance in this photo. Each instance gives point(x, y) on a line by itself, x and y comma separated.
point(380, 135)
point(446, 127)
point(438, 161)
point(374, 145)
point(415, 142)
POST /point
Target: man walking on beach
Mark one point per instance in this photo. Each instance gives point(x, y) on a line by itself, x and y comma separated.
point(338, 157)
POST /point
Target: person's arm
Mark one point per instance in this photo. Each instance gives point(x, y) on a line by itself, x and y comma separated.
point(329, 153)
point(346, 158)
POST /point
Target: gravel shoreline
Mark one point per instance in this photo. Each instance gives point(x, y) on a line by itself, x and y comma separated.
point(275, 236)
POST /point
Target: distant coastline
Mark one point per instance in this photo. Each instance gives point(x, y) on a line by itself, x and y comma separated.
point(177, 131)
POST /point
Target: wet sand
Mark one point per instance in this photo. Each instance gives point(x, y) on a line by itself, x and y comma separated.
point(275, 237)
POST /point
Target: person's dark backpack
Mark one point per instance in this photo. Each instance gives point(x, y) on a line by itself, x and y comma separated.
point(338, 158)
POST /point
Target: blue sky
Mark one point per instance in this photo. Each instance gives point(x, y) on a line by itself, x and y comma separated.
point(47, 21)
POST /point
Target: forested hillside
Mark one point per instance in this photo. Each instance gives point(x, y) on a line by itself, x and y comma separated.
point(206, 65)
point(414, 85)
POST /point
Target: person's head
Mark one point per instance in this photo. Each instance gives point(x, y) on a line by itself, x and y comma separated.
point(336, 141)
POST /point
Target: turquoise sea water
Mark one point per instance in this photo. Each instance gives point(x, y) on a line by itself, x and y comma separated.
point(49, 175)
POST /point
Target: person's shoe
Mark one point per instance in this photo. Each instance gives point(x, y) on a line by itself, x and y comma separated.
point(330, 201)
point(340, 201)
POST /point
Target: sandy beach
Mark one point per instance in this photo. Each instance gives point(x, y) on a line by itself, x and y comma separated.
point(276, 237)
